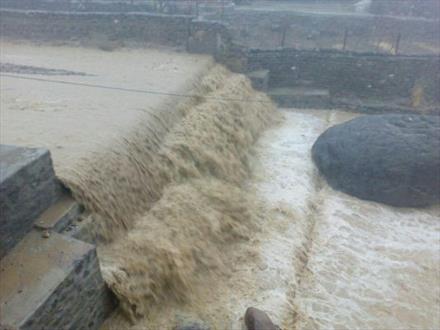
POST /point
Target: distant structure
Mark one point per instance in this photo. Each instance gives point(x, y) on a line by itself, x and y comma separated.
point(414, 8)
point(363, 6)
point(162, 6)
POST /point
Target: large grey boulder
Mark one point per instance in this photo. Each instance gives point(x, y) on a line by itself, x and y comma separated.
point(393, 159)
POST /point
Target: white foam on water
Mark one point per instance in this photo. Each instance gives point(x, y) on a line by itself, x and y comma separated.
point(334, 261)
point(371, 267)
point(193, 230)
point(285, 181)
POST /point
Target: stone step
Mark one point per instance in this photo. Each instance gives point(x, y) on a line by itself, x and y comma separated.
point(82, 229)
point(52, 283)
point(28, 186)
point(301, 97)
point(259, 79)
point(60, 215)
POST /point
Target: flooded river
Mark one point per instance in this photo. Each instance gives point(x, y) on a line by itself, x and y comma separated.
point(367, 265)
point(208, 205)
point(317, 258)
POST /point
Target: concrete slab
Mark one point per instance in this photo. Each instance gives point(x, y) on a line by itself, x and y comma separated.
point(27, 187)
point(52, 283)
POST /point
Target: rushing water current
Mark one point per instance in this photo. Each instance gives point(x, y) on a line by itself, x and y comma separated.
point(204, 207)
point(314, 258)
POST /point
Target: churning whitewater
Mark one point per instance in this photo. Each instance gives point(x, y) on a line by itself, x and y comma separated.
point(204, 206)
point(167, 203)
point(196, 222)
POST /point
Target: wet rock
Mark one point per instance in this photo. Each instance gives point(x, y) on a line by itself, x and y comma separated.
point(393, 159)
point(256, 319)
point(192, 325)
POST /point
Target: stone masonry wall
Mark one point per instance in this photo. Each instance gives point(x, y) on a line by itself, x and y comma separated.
point(364, 75)
point(424, 8)
point(209, 37)
point(124, 27)
point(197, 36)
point(82, 295)
point(264, 29)
point(27, 187)
point(359, 74)
point(172, 7)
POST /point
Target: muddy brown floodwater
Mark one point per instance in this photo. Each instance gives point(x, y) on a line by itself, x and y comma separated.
point(205, 206)
point(74, 121)
point(316, 258)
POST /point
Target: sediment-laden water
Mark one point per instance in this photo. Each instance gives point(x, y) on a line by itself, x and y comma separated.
point(207, 205)
point(167, 202)
point(358, 264)
point(312, 257)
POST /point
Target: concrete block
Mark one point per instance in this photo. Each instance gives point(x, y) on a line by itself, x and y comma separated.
point(301, 97)
point(52, 283)
point(28, 186)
